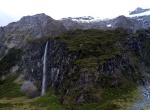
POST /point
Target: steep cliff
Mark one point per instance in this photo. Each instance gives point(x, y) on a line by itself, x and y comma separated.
point(82, 66)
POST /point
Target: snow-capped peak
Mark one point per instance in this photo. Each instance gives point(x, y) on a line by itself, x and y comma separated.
point(138, 11)
point(85, 19)
point(140, 14)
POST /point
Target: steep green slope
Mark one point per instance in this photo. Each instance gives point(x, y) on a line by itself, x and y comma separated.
point(94, 46)
point(96, 51)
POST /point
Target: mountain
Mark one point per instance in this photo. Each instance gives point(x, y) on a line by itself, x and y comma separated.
point(73, 64)
point(70, 24)
point(133, 22)
point(138, 11)
point(28, 28)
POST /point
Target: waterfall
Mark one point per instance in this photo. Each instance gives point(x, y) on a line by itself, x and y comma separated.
point(44, 70)
point(140, 49)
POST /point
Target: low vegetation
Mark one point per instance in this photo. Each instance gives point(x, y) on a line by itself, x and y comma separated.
point(9, 89)
point(94, 46)
point(50, 101)
point(9, 60)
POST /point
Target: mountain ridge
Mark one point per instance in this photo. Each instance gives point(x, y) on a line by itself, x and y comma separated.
point(137, 20)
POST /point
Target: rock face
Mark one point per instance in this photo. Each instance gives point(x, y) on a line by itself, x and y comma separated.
point(58, 60)
point(35, 26)
point(67, 77)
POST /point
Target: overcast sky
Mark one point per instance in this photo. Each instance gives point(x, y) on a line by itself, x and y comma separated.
point(13, 10)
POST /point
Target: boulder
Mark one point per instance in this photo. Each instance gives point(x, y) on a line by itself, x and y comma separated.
point(29, 88)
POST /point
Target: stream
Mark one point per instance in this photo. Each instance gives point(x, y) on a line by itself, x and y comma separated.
point(145, 91)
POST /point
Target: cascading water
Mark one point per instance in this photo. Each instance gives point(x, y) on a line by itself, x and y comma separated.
point(145, 91)
point(140, 50)
point(44, 70)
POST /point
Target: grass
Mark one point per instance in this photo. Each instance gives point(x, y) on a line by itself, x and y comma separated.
point(114, 99)
point(20, 103)
point(50, 101)
point(9, 89)
point(11, 98)
point(112, 93)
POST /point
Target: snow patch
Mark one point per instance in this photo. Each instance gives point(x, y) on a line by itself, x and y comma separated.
point(139, 19)
point(87, 19)
point(109, 25)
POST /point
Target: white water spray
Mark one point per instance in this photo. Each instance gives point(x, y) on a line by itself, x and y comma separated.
point(44, 70)
point(145, 92)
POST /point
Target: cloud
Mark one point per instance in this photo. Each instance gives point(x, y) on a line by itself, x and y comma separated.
point(5, 19)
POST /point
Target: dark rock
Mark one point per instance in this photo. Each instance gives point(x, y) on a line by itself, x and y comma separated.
point(29, 28)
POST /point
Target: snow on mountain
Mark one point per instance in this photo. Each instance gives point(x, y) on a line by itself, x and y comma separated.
point(109, 25)
point(147, 13)
point(138, 11)
point(88, 19)
point(84, 19)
